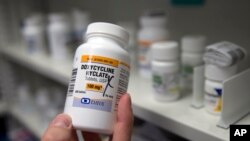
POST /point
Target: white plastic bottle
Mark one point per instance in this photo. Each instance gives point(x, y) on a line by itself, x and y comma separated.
point(215, 76)
point(99, 78)
point(80, 22)
point(153, 29)
point(193, 48)
point(213, 96)
point(166, 70)
point(59, 35)
point(34, 35)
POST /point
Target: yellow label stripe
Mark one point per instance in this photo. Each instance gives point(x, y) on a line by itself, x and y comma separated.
point(103, 60)
point(100, 60)
point(125, 64)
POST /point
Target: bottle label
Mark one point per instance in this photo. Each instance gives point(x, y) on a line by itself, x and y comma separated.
point(144, 54)
point(186, 77)
point(166, 84)
point(213, 102)
point(98, 83)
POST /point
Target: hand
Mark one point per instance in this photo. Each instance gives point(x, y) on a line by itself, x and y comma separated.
point(60, 129)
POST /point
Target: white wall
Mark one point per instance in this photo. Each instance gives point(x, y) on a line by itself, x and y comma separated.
point(217, 19)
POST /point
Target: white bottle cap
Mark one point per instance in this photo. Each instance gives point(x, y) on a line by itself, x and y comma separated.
point(217, 73)
point(108, 29)
point(35, 19)
point(32, 20)
point(165, 67)
point(57, 17)
point(193, 44)
point(212, 87)
point(165, 51)
point(154, 18)
point(192, 59)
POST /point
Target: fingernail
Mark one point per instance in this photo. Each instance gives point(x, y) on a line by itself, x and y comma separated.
point(62, 121)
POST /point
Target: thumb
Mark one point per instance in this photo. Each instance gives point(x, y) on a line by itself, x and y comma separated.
point(124, 125)
point(60, 129)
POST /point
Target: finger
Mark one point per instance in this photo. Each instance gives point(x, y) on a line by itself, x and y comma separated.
point(60, 129)
point(124, 124)
point(91, 136)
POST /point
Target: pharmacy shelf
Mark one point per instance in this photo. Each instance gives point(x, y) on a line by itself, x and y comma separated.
point(30, 120)
point(56, 70)
point(177, 117)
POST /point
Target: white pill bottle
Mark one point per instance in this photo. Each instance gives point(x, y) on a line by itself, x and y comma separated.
point(99, 78)
point(59, 31)
point(34, 35)
point(193, 48)
point(165, 70)
point(81, 20)
point(153, 29)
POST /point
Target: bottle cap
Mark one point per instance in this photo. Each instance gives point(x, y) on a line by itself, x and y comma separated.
point(58, 17)
point(31, 21)
point(109, 29)
point(35, 19)
point(165, 51)
point(217, 73)
point(193, 44)
point(154, 18)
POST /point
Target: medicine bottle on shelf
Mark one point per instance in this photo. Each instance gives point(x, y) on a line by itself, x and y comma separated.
point(215, 76)
point(99, 78)
point(193, 48)
point(153, 29)
point(34, 35)
point(59, 36)
point(166, 70)
point(81, 20)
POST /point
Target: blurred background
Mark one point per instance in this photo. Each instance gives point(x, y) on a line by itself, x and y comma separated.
point(38, 39)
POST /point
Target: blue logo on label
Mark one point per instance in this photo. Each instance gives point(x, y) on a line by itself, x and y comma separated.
point(97, 104)
point(219, 91)
point(85, 100)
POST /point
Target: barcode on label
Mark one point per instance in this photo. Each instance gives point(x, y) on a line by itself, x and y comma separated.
point(72, 82)
point(118, 97)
